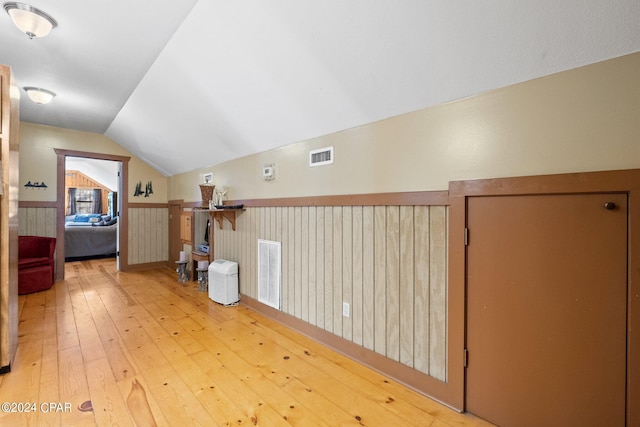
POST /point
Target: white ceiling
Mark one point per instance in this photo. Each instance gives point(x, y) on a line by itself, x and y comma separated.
point(188, 84)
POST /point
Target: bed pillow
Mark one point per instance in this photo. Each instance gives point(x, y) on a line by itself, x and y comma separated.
point(87, 217)
point(103, 222)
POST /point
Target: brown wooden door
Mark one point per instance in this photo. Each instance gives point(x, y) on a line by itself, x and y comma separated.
point(546, 310)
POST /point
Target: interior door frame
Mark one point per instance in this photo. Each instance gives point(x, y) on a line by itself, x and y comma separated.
point(174, 238)
point(123, 202)
point(622, 181)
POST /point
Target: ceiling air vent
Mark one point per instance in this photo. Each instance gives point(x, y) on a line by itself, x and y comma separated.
point(323, 156)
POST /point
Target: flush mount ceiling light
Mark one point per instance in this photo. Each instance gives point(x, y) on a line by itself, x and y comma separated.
point(31, 21)
point(39, 95)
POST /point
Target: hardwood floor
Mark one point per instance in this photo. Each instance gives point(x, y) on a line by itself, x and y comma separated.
point(109, 348)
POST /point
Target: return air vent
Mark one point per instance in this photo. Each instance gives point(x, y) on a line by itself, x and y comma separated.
point(323, 156)
point(269, 273)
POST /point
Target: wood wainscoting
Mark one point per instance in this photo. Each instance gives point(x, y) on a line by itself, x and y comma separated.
point(147, 235)
point(384, 257)
point(37, 219)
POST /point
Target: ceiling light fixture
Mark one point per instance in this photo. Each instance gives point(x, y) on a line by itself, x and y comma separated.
point(31, 21)
point(39, 95)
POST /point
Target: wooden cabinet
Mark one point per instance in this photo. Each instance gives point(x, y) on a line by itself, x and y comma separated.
point(186, 227)
point(9, 144)
point(195, 230)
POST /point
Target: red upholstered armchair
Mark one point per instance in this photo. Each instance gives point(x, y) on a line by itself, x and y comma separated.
point(35, 263)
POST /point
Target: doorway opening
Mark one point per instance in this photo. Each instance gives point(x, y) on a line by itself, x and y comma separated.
point(97, 167)
point(91, 208)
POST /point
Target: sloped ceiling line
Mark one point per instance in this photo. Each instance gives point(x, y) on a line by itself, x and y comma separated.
point(183, 85)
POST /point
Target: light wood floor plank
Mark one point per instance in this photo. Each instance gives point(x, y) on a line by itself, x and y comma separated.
point(49, 377)
point(109, 405)
point(73, 387)
point(134, 349)
point(22, 385)
point(246, 373)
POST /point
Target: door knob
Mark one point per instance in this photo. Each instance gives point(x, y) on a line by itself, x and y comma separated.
point(609, 206)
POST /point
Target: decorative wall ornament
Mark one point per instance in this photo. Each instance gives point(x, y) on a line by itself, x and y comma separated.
point(220, 195)
point(206, 190)
point(36, 184)
point(147, 191)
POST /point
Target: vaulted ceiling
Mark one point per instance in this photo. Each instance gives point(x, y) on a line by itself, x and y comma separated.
point(187, 84)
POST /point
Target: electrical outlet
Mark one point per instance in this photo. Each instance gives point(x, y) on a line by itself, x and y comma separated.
point(346, 309)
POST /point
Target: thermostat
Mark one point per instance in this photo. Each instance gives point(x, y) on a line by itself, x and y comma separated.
point(268, 172)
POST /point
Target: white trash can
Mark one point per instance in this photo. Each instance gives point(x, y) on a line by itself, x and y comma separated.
point(223, 282)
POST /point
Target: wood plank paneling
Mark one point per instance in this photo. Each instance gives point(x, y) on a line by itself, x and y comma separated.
point(133, 236)
point(297, 260)
point(289, 263)
point(37, 221)
point(357, 301)
point(406, 295)
point(380, 280)
point(76, 179)
point(313, 282)
point(148, 235)
point(393, 283)
point(337, 270)
point(347, 271)
point(438, 293)
point(388, 262)
point(421, 289)
point(304, 263)
point(368, 294)
point(321, 267)
point(328, 274)
point(253, 246)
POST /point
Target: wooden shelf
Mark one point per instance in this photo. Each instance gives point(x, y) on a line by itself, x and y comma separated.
point(229, 214)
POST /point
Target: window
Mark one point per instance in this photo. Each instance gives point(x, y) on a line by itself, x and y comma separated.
point(84, 201)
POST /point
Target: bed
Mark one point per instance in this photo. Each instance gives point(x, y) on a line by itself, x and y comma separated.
point(90, 235)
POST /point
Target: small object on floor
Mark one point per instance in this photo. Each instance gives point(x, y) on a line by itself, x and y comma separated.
point(203, 279)
point(183, 274)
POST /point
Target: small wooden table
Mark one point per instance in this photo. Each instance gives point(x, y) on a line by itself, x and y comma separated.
point(198, 256)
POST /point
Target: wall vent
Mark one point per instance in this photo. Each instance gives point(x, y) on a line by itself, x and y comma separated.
point(323, 156)
point(269, 266)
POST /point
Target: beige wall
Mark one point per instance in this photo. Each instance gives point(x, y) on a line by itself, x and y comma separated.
point(584, 119)
point(38, 161)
